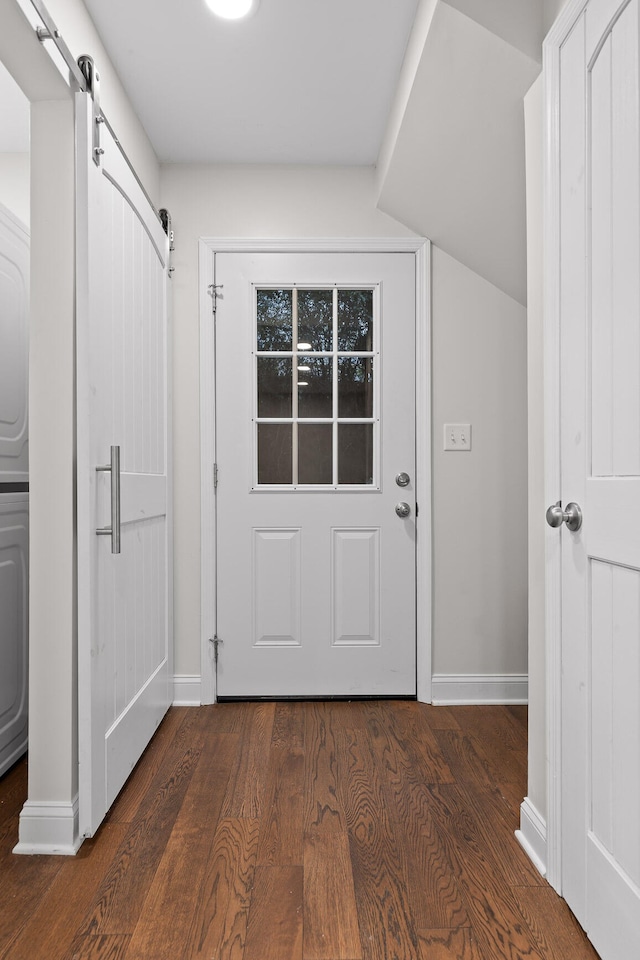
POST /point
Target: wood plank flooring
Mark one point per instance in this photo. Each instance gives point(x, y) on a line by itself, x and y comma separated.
point(377, 830)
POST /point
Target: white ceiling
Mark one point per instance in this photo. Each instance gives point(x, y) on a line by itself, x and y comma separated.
point(303, 81)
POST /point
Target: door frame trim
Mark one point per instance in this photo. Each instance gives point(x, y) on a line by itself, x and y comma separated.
point(554, 40)
point(421, 248)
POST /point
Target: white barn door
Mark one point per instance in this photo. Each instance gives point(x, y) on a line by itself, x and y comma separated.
point(599, 217)
point(124, 578)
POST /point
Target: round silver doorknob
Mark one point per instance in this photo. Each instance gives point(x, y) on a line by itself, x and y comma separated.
point(403, 479)
point(403, 509)
point(572, 516)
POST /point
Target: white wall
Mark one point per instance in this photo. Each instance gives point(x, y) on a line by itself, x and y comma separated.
point(52, 694)
point(14, 184)
point(480, 368)
point(537, 788)
point(479, 508)
point(550, 10)
point(76, 26)
point(452, 161)
point(519, 22)
point(237, 201)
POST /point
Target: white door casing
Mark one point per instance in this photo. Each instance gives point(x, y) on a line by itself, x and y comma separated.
point(593, 370)
point(124, 600)
point(319, 526)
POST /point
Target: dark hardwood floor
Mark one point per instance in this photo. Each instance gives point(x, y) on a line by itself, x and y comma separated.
point(299, 831)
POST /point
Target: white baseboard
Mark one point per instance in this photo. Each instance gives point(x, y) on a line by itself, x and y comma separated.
point(532, 835)
point(461, 688)
point(49, 828)
point(186, 690)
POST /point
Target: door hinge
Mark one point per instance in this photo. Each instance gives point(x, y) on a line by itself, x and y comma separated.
point(215, 476)
point(212, 290)
point(216, 641)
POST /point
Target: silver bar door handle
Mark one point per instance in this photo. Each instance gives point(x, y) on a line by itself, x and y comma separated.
point(114, 530)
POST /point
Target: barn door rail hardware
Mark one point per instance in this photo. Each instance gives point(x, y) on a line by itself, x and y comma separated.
point(165, 220)
point(49, 31)
point(92, 77)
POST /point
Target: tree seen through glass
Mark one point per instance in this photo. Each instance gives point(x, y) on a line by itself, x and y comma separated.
point(325, 387)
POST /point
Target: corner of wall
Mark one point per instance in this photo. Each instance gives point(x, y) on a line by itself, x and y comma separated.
point(532, 835)
point(187, 690)
point(411, 62)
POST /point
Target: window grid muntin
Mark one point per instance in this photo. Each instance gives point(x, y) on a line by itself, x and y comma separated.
point(335, 420)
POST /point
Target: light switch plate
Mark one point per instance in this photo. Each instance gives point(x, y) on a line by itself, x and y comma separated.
point(457, 436)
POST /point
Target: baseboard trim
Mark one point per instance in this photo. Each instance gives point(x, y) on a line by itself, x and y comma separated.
point(187, 690)
point(49, 828)
point(532, 835)
point(468, 688)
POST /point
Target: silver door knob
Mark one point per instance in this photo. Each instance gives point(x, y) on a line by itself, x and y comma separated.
point(572, 516)
point(403, 509)
point(403, 479)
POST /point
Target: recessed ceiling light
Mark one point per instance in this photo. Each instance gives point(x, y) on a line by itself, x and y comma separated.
point(232, 9)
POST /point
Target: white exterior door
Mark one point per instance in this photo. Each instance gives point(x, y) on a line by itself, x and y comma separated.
point(599, 219)
point(124, 599)
point(315, 418)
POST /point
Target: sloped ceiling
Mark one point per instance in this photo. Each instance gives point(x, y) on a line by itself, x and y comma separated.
point(453, 166)
point(518, 22)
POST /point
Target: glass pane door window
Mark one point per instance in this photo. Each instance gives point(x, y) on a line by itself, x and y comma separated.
point(316, 403)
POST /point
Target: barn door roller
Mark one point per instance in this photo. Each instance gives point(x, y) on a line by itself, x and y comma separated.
point(92, 77)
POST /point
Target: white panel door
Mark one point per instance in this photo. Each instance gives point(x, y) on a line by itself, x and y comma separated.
point(124, 599)
point(14, 348)
point(14, 631)
point(315, 418)
point(600, 466)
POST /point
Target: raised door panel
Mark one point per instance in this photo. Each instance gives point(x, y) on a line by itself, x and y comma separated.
point(14, 348)
point(615, 251)
point(276, 587)
point(615, 669)
point(355, 595)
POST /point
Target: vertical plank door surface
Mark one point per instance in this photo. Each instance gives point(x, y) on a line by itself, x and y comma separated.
point(124, 599)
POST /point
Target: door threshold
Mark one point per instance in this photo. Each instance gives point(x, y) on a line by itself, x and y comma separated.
point(346, 697)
